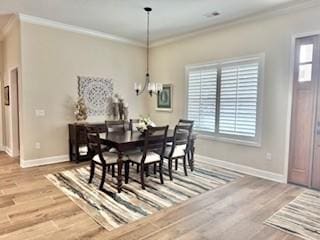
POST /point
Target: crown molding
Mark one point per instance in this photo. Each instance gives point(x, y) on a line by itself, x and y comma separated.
point(247, 19)
point(76, 29)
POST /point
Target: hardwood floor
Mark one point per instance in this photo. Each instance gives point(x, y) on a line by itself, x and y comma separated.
point(32, 208)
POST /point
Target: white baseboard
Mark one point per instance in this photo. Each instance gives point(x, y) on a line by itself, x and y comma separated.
point(43, 161)
point(8, 151)
point(245, 169)
point(2, 148)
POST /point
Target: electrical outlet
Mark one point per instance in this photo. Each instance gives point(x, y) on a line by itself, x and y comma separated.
point(268, 156)
point(40, 112)
point(37, 145)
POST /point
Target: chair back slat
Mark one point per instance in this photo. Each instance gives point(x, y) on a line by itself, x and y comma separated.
point(155, 140)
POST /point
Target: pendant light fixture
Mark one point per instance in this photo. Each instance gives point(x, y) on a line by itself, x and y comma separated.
point(153, 88)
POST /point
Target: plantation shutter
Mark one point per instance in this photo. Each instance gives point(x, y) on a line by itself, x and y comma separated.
point(239, 98)
point(202, 88)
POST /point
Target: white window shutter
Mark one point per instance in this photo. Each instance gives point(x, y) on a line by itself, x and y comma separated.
point(239, 98)
point(202, 88)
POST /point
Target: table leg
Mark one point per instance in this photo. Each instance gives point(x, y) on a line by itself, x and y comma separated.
point(119, 177)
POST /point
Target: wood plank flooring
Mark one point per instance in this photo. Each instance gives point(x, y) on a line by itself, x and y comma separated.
point(32, 208)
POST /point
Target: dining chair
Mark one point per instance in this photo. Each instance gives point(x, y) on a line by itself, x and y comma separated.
point(114, 126)
point(118, 126)
point(154, 147)
point(103, 159)
point(83, 148)
point(179, 148)
point(184, 122)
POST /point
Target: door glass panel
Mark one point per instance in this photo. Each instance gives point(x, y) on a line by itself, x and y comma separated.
point(305, 73)
point(306, 53)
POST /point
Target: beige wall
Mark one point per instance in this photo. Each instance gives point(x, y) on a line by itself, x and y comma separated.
point(1, 97)
point(11, 59)
point(272, 36)
point(51, 61)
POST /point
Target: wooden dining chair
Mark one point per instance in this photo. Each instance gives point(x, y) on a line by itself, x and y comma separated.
point(179, 148)
point(104, 159)
point(154, 147)
point(188, 123)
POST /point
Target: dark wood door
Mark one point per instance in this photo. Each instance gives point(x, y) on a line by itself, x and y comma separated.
point(304, 114)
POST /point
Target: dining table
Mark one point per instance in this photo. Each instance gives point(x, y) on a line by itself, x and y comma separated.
point(127, 141)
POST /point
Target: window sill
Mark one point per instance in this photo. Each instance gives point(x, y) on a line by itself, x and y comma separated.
point(229, 140)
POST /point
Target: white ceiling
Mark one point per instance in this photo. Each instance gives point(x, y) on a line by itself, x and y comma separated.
point(126, 18)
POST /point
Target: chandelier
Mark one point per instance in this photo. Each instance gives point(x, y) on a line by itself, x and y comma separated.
point(152, 87)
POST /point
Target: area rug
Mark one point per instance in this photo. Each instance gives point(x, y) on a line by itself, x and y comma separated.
point(301, 217)
point(133, 203)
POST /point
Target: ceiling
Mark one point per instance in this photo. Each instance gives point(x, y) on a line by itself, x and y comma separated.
point(126, 18)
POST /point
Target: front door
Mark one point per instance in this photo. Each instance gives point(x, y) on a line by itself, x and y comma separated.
point(304, 162)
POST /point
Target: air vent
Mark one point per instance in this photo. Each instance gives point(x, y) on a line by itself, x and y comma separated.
point(212, 14)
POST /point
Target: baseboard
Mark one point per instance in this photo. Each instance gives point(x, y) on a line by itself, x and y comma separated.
point(43, 161)
point(8, 151)
point(245, 169)
point(2, 148)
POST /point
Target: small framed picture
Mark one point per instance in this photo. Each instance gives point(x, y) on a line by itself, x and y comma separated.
point(164, 99)
point(6, 96)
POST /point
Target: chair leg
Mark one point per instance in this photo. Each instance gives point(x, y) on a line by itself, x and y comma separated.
point(127, 169)
point(155, 169)
point(185, 165)
point(112, 167)
point(176, 164)
point(142, 176)
point(103, 177)
point(170, 169)
point(161, 172)
point(92, 168)
point(147, 170)
point(108, 168)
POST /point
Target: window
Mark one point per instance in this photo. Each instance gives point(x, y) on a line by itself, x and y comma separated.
point(202, 98)
point(305, 63)
point(223, 99)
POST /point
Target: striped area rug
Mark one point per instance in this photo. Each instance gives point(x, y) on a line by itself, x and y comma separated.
point(301, 217)
point(133, 203)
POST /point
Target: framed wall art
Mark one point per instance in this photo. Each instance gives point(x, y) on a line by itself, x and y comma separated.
point(97, 94)
point(164, 99)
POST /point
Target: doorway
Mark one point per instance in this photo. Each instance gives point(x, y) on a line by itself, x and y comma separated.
point(304, 156)
point(14, 92)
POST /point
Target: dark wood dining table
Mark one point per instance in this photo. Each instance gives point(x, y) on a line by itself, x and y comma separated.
point(132, 140)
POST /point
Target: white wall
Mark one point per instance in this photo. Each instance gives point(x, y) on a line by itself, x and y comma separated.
point(51, 61)
point(1, 97)
point(272, 36)
point(11, 59)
